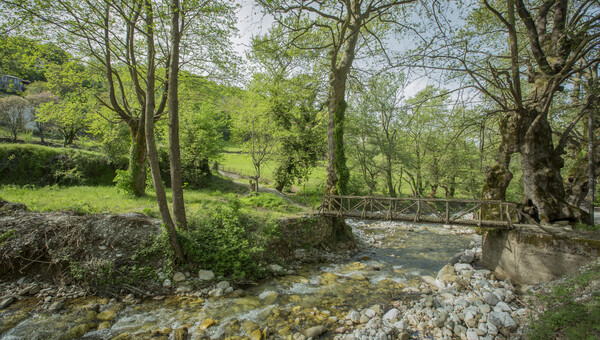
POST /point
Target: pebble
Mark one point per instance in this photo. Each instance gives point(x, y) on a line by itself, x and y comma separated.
point(314, 332)
point(178, 277)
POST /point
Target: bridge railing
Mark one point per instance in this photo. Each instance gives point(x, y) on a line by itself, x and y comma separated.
point(449, 211)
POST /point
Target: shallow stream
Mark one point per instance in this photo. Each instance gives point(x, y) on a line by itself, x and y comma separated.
point(396, 255)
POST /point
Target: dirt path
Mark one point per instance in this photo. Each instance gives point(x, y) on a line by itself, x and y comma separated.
point(241, 180)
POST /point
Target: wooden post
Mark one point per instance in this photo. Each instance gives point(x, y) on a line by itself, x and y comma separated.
point(447, 219)
point(480, 214)
point(418, 215)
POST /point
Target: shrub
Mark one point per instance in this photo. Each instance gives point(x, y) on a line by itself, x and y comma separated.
point(42, 165)
point(224, 243)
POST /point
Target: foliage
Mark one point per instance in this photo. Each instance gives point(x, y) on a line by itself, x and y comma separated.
point(205, 121)
point(41, 165)
point(256, 129)
point(224, 244)
point(28, 58)
point(12, 114)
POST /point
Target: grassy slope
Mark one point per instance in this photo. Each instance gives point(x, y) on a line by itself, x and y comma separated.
point(98, 199)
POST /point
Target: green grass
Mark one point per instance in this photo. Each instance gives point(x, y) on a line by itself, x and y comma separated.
point(566, 318)
point(108, 199)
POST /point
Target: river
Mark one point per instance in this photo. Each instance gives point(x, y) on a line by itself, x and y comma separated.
point(388, 270)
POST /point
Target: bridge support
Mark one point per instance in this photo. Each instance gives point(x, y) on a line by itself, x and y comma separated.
point(529, 255)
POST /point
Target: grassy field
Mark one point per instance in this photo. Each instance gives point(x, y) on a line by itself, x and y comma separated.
point(108, 199)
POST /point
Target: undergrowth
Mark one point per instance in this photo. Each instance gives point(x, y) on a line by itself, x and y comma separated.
point(572, 309)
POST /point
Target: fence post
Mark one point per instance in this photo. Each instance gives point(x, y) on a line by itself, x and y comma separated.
point(480, 214)
point(418, 215)
point(447, 218)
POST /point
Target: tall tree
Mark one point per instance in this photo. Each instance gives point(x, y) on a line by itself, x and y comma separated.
point(336, 27)
point(520, 55)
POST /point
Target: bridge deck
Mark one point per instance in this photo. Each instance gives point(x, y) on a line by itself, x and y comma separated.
point(495, 214)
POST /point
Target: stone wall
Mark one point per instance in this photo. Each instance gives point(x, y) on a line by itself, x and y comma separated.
point(530, 255)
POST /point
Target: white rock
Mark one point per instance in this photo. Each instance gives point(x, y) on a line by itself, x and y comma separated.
point(471, 335)
point(462, 267)
point(223, 285)
point(502, 307)
point(205, 275)
point(184, 289)
point(492, 329)
point(391, 314)
point(467, 257)
point(491, 298)
point(400, 325)
point(499, 319)
point(370, 313)
point(217, 292)
point(353, 316)
point(167, 283)
point(179, 277)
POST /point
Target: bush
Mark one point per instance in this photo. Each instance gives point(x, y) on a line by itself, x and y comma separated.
point(42, 165)
point(225, 243)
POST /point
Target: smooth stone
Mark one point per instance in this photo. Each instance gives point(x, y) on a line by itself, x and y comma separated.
point(205, 275)
point(167, 283)
point(314, 332)
point(179, 277)
point(207, 323)
point(370, 313)
point(183, 289)
point(363, 319)
point(353, 316)
point(472, 335)
point(460, 331)
point(104, 325)
point(404, 336)
point(462, 267)
point(7, 302)
point(223, 285)
point(107, 315)
point(492, 329)
point(447, 270)
point(391, 314)
point(484, 308)
point(56, 305)
point(217, 292)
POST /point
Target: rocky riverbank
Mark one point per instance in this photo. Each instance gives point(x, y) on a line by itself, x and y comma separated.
point(392, 289)
point(461, 302)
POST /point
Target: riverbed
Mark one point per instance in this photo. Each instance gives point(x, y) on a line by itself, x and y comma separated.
point(386, 273)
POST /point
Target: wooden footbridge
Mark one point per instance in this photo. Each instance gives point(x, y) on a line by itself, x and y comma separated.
point(481, 213)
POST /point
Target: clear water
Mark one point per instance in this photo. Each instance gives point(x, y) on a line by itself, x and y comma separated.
point(315, 295)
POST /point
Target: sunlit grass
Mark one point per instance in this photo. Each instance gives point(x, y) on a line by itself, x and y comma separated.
point(108, 199)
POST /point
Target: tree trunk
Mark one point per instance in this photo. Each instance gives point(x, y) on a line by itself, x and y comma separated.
point(161, 196)
point(137, 158)
point(542, 181)
point(173, 105)
point(337, 171)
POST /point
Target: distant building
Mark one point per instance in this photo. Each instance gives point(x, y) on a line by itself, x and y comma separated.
point(12, 83)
